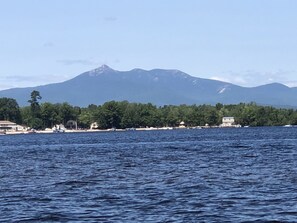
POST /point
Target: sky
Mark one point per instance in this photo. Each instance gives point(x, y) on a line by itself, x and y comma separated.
point(248, 43)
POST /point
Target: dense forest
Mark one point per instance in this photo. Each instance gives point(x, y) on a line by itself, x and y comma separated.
point(123, 114)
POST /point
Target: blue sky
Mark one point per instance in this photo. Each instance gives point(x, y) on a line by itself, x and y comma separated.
point(248, 43)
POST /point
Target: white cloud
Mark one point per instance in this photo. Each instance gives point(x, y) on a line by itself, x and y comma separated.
point(76, 61)
point(15, 81)
point(252, 78)
point(291, 83)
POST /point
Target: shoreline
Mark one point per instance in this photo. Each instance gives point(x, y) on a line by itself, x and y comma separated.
point(86, 131)
point(125, 130)
point(99, 130)
point(110, 130)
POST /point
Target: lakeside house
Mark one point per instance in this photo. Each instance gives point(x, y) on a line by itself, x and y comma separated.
point(10, 126)
point(228, 122)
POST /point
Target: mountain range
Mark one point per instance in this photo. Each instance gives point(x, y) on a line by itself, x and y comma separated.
point(158, 86)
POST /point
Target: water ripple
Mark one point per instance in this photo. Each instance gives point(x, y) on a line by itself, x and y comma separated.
point(211, 175)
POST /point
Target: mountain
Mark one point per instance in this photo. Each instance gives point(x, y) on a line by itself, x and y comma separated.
point(157, 86)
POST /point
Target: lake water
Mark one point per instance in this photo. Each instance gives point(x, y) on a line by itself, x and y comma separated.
point(206, 175)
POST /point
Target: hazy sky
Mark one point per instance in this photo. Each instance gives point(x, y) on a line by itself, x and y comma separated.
point(248, 42)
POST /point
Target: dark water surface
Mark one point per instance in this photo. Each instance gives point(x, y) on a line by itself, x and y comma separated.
point(208, 175)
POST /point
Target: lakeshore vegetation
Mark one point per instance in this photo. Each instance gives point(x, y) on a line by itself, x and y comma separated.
point(123, 114)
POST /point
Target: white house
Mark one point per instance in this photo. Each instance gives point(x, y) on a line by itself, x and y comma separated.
point(228, 122)
point(10, 126)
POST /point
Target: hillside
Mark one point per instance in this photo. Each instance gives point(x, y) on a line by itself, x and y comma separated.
point(157, 86)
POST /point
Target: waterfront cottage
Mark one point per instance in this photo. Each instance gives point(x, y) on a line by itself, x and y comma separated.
point(10, 126)
point(228, 122)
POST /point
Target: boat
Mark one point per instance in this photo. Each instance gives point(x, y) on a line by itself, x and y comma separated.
point(31, 131)
point(59, 129)
point(288, 126)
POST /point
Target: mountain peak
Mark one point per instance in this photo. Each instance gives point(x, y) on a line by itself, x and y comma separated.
point(157, 86)
point(274, 86)
point(100, 70)
point(104, 67)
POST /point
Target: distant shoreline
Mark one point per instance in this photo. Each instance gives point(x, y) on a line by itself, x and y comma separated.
point(103, 130)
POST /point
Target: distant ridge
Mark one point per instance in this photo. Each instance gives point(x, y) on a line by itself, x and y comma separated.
point(158, 86)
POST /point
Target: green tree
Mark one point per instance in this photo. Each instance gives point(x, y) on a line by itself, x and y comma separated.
point(131, 116)
point(108, 115)
point(85, 118)
point(35, 121)
point(170, 115)
point(50, 115)
point(68, 112)
point(34, 103)
point(10, 110)
point(26, 115)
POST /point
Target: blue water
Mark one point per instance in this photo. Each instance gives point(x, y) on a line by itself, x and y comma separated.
point(208, 175)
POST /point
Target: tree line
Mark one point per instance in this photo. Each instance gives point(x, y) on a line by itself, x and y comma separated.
point(123, 114)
